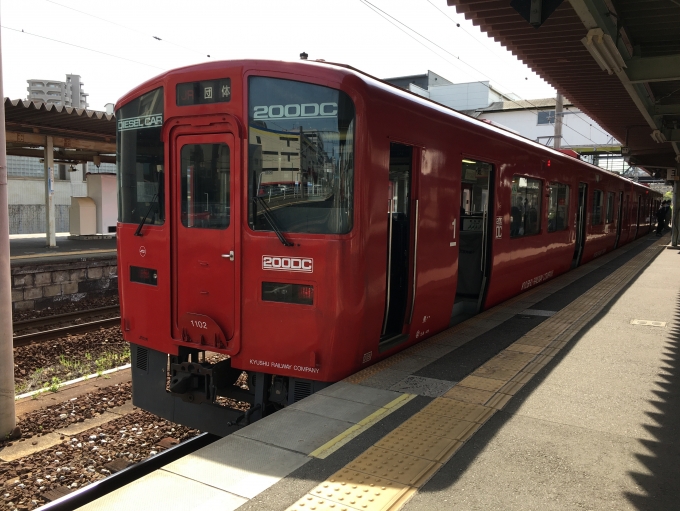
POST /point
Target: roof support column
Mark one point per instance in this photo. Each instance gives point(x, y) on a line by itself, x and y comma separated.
point(675, 228)
point(50, 235)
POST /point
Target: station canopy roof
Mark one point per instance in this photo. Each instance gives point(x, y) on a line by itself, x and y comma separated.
point(78, 135)
point(616, 60)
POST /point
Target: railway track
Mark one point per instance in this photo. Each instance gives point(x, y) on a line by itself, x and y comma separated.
point(71, 327)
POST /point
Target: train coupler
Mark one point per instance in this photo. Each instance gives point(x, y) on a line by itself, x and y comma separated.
point(192, 382)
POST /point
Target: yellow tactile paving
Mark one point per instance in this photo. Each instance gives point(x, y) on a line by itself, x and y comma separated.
point(455, 429)
point(495, 373)
point(387, 474)
point(395, 466)
point(540, 341)
point(511, 388)
point(498, 401)
point(469, 395)
point(311, 503)
point(360, 491)
point(477, 382)
point(536, 366)
point(458, 410)
point(513, 360)
point(526, 348)
point(419, 444)
point(551, 352)
point(522, 377)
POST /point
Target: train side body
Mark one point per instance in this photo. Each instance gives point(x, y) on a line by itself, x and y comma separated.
point(340, 332)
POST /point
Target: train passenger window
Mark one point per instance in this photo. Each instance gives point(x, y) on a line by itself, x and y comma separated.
point(597, 207)
point(610, 208)
point(301, 157)
point(525, 211)
point(205, 186)
point(139, 153)
point(558, 207)
point(474, 194)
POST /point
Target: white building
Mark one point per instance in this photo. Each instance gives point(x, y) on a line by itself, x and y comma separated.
point(533, 119)
point(68, 93)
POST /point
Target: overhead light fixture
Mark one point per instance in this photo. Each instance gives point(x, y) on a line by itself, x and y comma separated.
point(658, 137)
point(604, 51)
point(469, 161)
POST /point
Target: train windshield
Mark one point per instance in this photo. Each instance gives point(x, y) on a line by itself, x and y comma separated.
point(301, 157)
point(140, 160)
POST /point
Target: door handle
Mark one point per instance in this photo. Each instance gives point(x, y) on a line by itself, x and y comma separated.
point(229, 256)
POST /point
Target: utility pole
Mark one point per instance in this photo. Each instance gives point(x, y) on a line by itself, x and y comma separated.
point(557, 139)
point(7, 412)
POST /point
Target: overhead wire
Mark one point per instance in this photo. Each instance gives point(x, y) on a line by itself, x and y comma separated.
point(126, 28)
point(495, 54)
point(386, 15)
point(81, 47)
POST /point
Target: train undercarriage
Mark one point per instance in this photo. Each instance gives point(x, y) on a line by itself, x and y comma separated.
point(190, 389)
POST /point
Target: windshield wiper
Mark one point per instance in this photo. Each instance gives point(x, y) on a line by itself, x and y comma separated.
point(138, 232)
point(266, 212)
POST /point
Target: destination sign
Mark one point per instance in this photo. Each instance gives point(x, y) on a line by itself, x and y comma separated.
point(204, 92)
point(141, 122)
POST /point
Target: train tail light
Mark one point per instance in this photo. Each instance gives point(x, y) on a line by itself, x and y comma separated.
point(305, 294)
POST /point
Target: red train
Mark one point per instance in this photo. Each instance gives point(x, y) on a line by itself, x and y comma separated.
point(308, 220)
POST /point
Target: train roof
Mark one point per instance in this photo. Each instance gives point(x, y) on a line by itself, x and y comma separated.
point(340, 72)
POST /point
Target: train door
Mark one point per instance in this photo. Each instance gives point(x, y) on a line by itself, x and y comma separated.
point(204, 238)
point(637, 216)
point(580, 224)
point(619, 219)
point(474, 241)
point(402, 239)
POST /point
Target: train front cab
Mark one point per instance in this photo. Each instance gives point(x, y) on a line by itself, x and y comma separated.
point(228, 234)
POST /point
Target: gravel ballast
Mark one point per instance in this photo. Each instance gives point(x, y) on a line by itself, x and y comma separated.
point(46, 364)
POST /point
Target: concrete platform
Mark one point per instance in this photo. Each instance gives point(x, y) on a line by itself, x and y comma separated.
point(556, 399)
point(32, 248)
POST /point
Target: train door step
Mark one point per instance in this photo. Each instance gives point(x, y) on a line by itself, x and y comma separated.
point(391, 342)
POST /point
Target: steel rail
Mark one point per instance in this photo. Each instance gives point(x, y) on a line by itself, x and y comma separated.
point(98, 489)
point(68, 316)
point(55, 333)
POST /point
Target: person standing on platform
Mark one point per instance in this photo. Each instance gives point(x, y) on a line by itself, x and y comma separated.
point(661, 218)
point(669, 215)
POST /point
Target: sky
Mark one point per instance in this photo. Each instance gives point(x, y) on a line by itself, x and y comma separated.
point(115, 46)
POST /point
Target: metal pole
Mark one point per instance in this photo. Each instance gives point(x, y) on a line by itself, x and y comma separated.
point(676, 214)
point(51, 239)
point(7, 411)
point(557, 143)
